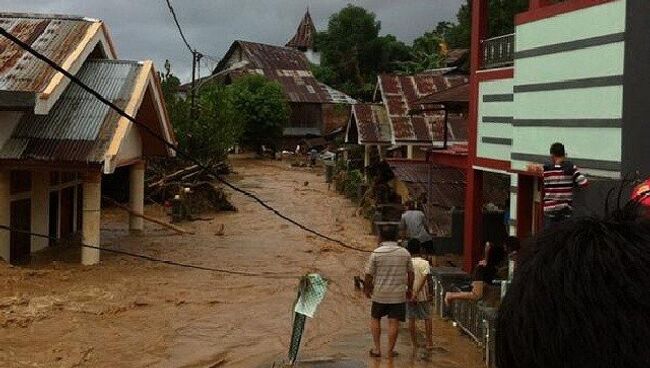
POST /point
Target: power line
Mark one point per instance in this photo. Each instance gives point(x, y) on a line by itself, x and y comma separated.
point(178, 26)
point(160, 260)
point(170, 145)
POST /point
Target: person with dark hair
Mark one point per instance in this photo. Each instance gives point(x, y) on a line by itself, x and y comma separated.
point(580, 297)
point(388, 282)
point(414, 227)
point(561, 177)
point(419, 307)
point(484, 274)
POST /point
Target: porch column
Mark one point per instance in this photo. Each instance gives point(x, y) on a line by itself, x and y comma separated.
point(382, 153)
point(5, 214)
point(91, 212)
point(409, 152)
point(40, 203)
point(136, 196)
point(366, 156)
point(472, 247)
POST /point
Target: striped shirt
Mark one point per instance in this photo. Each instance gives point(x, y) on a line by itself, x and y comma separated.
point(389, 266)
point(559, 182)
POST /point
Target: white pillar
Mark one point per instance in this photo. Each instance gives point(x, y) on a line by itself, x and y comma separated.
point(136, 196)
point(5, 215)
point(40, 203)
point(409, 152)
point(366, 156)
point(92, 193)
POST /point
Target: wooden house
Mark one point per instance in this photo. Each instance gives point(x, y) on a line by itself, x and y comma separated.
point(57, 141)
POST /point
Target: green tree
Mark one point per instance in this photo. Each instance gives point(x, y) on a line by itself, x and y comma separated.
point(217, 127)
point(353, 53)
point(428, 52)
point(501, 21)
point(264, 112)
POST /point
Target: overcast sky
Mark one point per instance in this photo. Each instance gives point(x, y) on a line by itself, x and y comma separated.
point(143, 29)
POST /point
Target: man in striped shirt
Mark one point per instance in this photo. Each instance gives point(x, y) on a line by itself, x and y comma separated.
point(561, 177)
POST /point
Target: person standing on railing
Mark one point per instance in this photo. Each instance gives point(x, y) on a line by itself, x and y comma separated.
point(561, 178)
point(419, 307)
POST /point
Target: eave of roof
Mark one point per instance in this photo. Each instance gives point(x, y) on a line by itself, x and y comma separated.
point(80, 129)
point(67, 40)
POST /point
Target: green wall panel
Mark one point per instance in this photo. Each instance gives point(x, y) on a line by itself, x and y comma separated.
point(584, 63)
point(590, 22)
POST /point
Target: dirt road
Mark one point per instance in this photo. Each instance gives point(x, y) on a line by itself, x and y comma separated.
point(129, 313)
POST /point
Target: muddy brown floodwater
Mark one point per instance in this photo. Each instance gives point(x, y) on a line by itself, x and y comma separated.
point(130, 313)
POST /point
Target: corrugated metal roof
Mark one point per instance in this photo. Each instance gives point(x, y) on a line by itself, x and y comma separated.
point(444, 186)
point(304, 37)
point(300, 132)
point(54, 36)
point(287, 66)
point(400, 95)
point(458, 94)
point(371, 124)
point(79, 127)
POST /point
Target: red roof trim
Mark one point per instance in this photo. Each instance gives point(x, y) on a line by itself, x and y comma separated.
point(492, 163)
point(494, 74)
point(556, 9)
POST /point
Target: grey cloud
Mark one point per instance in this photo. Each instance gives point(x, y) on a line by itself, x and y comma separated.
point(143, 29)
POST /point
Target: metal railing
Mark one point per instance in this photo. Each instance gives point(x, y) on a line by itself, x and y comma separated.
point(498, 52)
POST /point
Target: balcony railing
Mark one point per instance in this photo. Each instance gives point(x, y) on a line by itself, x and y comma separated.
point(498, 52)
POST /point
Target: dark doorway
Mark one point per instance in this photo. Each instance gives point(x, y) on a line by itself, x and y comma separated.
point(67, 212)
point(54, 217)
point(20, 243)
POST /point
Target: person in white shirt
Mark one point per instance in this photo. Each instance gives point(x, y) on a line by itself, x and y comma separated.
point(414, 228)
point(419, 306)
point(388, 281)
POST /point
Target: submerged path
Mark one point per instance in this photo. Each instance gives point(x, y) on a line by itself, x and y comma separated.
point(126, 313)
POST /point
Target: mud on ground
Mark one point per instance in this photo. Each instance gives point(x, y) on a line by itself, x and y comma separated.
point(130, 313)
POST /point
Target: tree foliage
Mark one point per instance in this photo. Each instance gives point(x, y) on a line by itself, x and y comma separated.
point(263, 109)
point(251, 111)
point(353, 53)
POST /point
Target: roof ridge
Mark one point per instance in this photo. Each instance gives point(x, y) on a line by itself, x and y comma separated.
point(115, 61)
point(266, 44)
point(48, 16)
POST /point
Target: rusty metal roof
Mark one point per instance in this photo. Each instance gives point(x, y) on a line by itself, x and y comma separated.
point(287, 66)
point(79, 127)
point(304, 38)
point(54, 36)
point(444, 186)
point(369, 124)
point(458, 94)
point(400, 94)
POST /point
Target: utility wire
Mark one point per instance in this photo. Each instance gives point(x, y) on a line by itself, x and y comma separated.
point(178, 26)
point(160, 260)
point(170, 145)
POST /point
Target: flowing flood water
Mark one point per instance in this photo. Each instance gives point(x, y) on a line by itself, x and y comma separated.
point(130, 313)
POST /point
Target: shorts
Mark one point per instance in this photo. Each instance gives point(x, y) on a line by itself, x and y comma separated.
point(419, 310)
point(393, 311)
point(426, 247)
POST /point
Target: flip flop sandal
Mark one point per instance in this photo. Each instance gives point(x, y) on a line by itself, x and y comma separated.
point(373, 354)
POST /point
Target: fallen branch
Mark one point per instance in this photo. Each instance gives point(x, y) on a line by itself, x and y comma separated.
point(176, 229)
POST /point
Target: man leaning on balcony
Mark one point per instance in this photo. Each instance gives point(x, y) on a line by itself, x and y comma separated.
point(561, 178)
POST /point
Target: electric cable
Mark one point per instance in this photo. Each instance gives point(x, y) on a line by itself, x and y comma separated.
point(170, 145)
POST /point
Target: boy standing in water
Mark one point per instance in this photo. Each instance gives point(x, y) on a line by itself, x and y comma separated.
point(419, 307)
